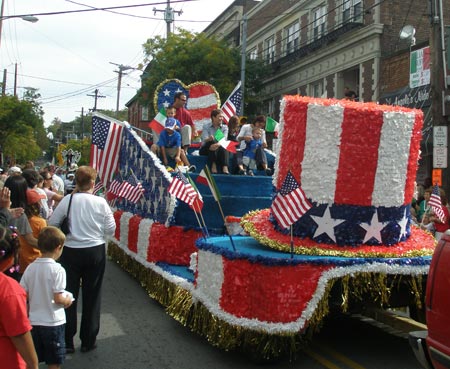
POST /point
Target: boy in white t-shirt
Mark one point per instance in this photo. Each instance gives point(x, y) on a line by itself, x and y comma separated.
point(45, 281)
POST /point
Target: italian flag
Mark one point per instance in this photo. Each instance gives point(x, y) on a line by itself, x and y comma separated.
point(158, 122)
point(197, 205)
point(227, 145)
point(270, 124)
point(205, 177)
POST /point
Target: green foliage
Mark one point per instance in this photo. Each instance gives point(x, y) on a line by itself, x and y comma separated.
point(22, 126)
point(82, 146)
point(195, 57)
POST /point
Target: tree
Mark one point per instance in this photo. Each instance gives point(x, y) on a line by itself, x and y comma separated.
point(22, 125)
point(82, 146)
point(193, 57)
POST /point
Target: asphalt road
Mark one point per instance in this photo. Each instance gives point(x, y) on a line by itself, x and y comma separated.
point(136, 333)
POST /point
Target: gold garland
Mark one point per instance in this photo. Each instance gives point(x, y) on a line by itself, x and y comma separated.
point(251, 229)
point(258, 344)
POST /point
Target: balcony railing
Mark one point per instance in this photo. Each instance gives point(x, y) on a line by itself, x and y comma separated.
point(316, 44)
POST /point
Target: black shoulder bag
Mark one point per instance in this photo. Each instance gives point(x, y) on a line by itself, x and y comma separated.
point(65, 228)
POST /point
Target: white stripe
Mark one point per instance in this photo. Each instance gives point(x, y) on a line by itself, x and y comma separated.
point(144, 234)
point(210, 276)
point(202, 101)
point(321, 153)
point(393, 159)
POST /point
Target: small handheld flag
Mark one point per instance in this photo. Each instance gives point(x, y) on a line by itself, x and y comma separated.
point(435, 203)
point(205, 177)
point(290, 203)
point(182, 189)
point(226, 144)
point(270, 124)
point(158, 122)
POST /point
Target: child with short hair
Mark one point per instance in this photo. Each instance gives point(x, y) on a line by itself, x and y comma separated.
point(169, 145)
point(28, 253)
point(45, 282)
point(249, 155)
point(16, 344)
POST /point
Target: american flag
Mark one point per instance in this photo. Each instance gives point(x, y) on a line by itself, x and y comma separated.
point(98, 186)
point(131, 189)
point(435, 203)
point(182, 189)
point(290, 203)
point(116, 186)
point(105, 148)
point(232, 105)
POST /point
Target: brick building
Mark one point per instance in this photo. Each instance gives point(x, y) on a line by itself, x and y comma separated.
point(321, 47)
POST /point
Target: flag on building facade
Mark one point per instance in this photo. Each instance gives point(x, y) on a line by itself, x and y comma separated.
point(232, 105)
point(182, 189)
point(132, 189)
point(290, 203)
point(226, 144)
point(105, 148)
point(435, 203)
point(205, 177)
point(158, 122)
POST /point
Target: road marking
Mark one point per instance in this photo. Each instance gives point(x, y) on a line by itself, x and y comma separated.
point(325, 362)
point(344, 359)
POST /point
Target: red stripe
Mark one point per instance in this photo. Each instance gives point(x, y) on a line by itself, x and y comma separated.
point(358, 159)
point(289, 290)
point(414, 148)
point(200, 90)
point(202, 113)
point(295, 115)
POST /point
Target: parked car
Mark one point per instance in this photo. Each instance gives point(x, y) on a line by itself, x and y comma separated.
point(432, 347)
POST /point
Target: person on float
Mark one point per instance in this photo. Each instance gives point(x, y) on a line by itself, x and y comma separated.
point(218, 157)
point(188, 130)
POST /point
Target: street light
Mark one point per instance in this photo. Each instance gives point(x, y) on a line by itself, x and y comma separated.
point(27, 18)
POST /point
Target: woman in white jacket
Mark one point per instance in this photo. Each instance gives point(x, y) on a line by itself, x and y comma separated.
point(84, 257)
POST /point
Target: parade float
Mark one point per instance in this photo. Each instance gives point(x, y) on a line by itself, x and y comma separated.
point(266, 285)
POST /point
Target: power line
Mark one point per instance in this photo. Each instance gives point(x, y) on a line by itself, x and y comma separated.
point(91, 9)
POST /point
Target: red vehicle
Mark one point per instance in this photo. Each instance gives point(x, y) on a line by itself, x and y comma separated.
point(432, 347)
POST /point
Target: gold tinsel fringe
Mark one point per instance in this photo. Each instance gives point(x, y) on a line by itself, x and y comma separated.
point(258, 344)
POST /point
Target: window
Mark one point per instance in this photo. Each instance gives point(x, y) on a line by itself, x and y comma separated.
point(316, 89)
point(144, 112)
point(270, 49)
point(253, 54)
point(352, 11)
point(319, 23)
point(292, 37)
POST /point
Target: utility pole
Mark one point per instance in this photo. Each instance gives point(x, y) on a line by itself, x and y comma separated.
point(119, 82)
point(15, 80)
point(243, 59)
point(4, 82)
point(96, 96)
point(168, 16)
point(82, 122)
point(440, 102)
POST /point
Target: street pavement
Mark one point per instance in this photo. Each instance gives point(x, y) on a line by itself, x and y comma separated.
point(136, 333)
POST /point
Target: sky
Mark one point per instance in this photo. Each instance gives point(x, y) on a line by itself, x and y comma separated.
point(66, 57)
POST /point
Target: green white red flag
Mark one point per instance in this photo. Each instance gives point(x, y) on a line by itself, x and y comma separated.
point(205, 177)
point(226, 144)
point(158, 122)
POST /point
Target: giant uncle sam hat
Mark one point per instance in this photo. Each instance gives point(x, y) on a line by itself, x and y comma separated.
point(356, 163)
